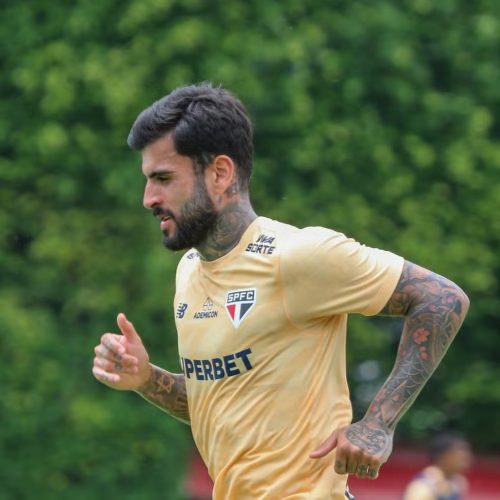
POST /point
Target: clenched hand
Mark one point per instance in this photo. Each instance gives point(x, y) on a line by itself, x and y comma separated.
point(361, 448)
point(121, 361)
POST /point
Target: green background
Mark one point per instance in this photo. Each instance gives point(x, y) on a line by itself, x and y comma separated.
point(379, 119)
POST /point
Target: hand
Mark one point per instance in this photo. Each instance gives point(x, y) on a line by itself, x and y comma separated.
point(362, 448)
point(121, 361)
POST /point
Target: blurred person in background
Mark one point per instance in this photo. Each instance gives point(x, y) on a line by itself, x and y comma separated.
point(450, 456)
point(261, 313)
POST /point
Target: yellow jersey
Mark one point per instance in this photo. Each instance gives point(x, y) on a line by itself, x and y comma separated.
point(262, 337)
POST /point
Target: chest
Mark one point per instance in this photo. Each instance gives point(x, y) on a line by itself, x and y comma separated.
point(226, 320)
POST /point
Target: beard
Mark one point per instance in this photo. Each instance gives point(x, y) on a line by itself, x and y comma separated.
point(197, 218)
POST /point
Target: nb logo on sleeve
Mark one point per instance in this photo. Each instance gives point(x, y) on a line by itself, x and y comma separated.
point(181, 310)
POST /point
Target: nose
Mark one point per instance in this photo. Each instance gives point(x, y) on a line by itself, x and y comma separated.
point(151, 197)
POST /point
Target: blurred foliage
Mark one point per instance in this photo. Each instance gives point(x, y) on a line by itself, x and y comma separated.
point(380, 119)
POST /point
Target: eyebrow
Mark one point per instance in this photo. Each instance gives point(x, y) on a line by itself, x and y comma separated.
point(159, 173)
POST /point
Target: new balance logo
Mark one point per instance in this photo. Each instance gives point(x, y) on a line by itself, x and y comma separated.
point(181, 310)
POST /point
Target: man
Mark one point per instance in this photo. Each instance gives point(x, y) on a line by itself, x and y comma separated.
point(261, 310)
point(443, 479)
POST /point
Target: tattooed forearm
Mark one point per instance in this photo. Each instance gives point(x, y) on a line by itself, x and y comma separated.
point(434, 308)
point(167, 391)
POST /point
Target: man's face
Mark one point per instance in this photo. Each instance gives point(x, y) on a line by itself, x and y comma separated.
point(176, 195)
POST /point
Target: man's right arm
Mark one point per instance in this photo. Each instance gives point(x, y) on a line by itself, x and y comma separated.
point(167, 391)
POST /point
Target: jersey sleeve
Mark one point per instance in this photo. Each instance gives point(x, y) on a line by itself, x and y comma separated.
point(324, 273)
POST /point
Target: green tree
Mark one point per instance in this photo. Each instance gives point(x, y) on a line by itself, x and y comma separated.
point(377, 119)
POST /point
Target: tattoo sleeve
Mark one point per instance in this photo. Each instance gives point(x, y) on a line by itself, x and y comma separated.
point(167, 391)
point(434, 308)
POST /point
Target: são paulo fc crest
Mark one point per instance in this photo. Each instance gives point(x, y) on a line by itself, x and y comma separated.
point(239, 303)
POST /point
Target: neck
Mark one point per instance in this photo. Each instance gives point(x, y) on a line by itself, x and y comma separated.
point(231, 223)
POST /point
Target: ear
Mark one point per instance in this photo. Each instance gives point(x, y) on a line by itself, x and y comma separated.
point(220, 175)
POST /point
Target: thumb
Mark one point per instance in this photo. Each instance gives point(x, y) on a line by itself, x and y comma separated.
point(127, 329)
point(326, 447)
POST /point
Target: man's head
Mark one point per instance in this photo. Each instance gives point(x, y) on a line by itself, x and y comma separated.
point(451, 452)
point(197, 150)
point(204, 122)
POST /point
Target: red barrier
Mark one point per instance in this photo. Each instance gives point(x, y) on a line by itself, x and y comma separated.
point(484, 478)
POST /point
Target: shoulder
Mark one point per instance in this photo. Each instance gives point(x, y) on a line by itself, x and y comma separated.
point(295, 244)
point(275, 227)
point(292, 238)
point(187, 263)
point(315, 244)
point(189, 258)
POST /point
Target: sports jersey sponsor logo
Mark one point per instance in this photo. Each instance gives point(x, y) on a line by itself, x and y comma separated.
point(229, 365)
point(239, 303)
point(263, 245)
point(181, 310)
point(207, 311)
point(192, 255)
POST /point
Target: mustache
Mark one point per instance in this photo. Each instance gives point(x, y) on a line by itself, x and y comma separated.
point(163, 211)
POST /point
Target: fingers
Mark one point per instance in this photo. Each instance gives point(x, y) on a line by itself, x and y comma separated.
point(127, 328)
point(362, 448)
point(110, 346)
point(126, 365)
point(111, 370)
point(356, 463)
point(111, 360)
point(364, 471)
point(342, 462)
point(349, 458)
point(326, 447)
point(104, 376)
point(117, 357)
point(351, 464)
point(372, 472)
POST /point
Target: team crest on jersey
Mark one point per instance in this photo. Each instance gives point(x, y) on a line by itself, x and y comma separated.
point(239, 303)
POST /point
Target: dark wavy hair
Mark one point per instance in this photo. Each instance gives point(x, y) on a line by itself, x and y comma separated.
point(205, 121)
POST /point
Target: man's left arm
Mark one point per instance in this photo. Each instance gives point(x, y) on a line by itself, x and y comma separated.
point(434, 308)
